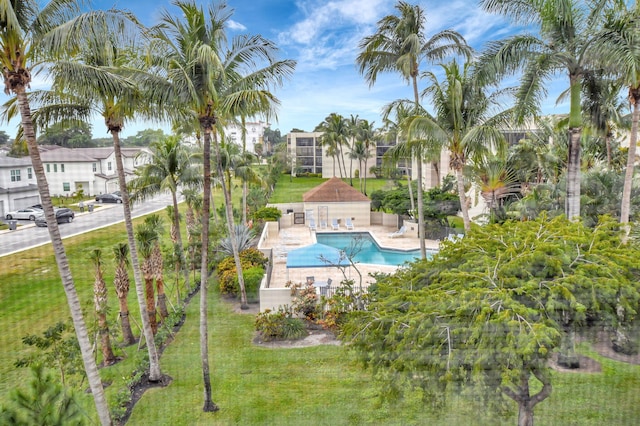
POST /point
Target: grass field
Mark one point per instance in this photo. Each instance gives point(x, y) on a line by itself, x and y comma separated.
point(254, 385)
point(290, 189)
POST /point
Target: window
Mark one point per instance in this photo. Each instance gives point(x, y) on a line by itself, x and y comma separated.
point(109, 166)
point(94, 167)
point(48, 169)
point(55, 168)
point(29, 173)
point(15, 175)
point(66, 186)
point(62, 168)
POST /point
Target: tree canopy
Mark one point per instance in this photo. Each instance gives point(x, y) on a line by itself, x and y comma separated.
point(488, 313)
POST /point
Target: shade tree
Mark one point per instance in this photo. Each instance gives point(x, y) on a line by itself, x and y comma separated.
point(487, 314)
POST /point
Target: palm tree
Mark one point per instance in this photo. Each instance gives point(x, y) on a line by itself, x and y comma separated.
point(568, 42)
point(620, 51)
point(352, 126)
point(121, 284)
point(154, 223)
point(100, 300)
point(463, 122)
point(101, 76)
point(170, 166)
point(366, 133)
point(393, 132)
point(335, 134)
point(206, 76)
point(29, 32)
point(146, 237)
point(400, 44)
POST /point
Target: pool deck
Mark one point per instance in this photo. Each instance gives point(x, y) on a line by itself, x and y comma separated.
point(299, 236)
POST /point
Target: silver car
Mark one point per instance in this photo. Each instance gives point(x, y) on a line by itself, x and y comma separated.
point(29, 213)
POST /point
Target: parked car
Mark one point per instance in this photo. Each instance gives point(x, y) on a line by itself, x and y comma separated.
point(63, 215)
point(28, 213)
point(108, 198)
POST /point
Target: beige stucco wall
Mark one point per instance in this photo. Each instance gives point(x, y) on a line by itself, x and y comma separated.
point(359, 212)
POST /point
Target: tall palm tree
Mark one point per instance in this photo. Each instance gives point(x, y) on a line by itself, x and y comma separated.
point(352, 126)
point(105, 77)
point(170, 166)
point(121, 283)
point(393, 133)
point(146, 237)
point(620, 51)
point(335, 135)
point(464, 122)
point(100, 301)
point(568, 42)
point(366, 133)
point(214, 79)
point(29, 34)
point(400, 45)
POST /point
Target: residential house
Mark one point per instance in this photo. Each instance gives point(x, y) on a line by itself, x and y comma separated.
point(18, 187)
point(68, 171)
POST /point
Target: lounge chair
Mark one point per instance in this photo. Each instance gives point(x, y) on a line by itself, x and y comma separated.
point(334, 224)
point(323, 224)
point(312, 225)
point(399, 233)
point(348, 224)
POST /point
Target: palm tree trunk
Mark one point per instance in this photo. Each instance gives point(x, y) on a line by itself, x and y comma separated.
point(89, 362)
point(127, 334)
point(625, 207)
point(176, 223)
point(464, 208)
point(154, 360)
point(572, 208)
point(209, 405)
point(423, 249)
point(232, 234)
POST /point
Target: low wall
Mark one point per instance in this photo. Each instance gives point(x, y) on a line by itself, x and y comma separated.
point(272, 298)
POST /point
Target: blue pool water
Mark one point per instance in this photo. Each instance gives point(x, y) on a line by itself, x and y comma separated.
point(367, 250)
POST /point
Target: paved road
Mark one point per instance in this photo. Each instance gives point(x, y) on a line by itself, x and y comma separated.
point(29, 236)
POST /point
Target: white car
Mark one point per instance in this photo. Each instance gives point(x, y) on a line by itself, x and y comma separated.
point(29, 213)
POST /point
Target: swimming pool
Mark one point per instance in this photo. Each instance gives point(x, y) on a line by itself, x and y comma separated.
point(366, 248)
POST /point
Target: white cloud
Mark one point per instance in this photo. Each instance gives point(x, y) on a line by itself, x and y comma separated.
point(234, 25)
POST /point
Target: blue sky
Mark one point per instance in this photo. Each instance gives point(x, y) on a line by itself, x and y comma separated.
point(323, 37)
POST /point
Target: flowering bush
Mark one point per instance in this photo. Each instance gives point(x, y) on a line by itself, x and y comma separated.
point(280, 325)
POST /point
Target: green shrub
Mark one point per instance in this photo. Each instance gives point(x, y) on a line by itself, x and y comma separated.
point(267, 214)
point(228, 277)
point(252, 279)
point(279, 325)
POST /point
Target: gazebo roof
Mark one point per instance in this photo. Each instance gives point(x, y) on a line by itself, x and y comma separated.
point(334, 191)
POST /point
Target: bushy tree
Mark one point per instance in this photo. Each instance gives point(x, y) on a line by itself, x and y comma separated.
point(488, 313)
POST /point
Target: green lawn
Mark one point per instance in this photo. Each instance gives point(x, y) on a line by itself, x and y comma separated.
point(290, 189)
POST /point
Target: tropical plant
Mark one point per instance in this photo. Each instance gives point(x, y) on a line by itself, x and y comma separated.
point(170, 165)
point(146, 237)
point(569, 41)
point(621, 38)
point(33, 32)
point(121, 283)
point(213, 80)
point(105, 77)
point(154, 223)
point(467, 122)
point(243, 240)
point(335, 134)
point(400, 44)
point(45, 403)
point(100, 302)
